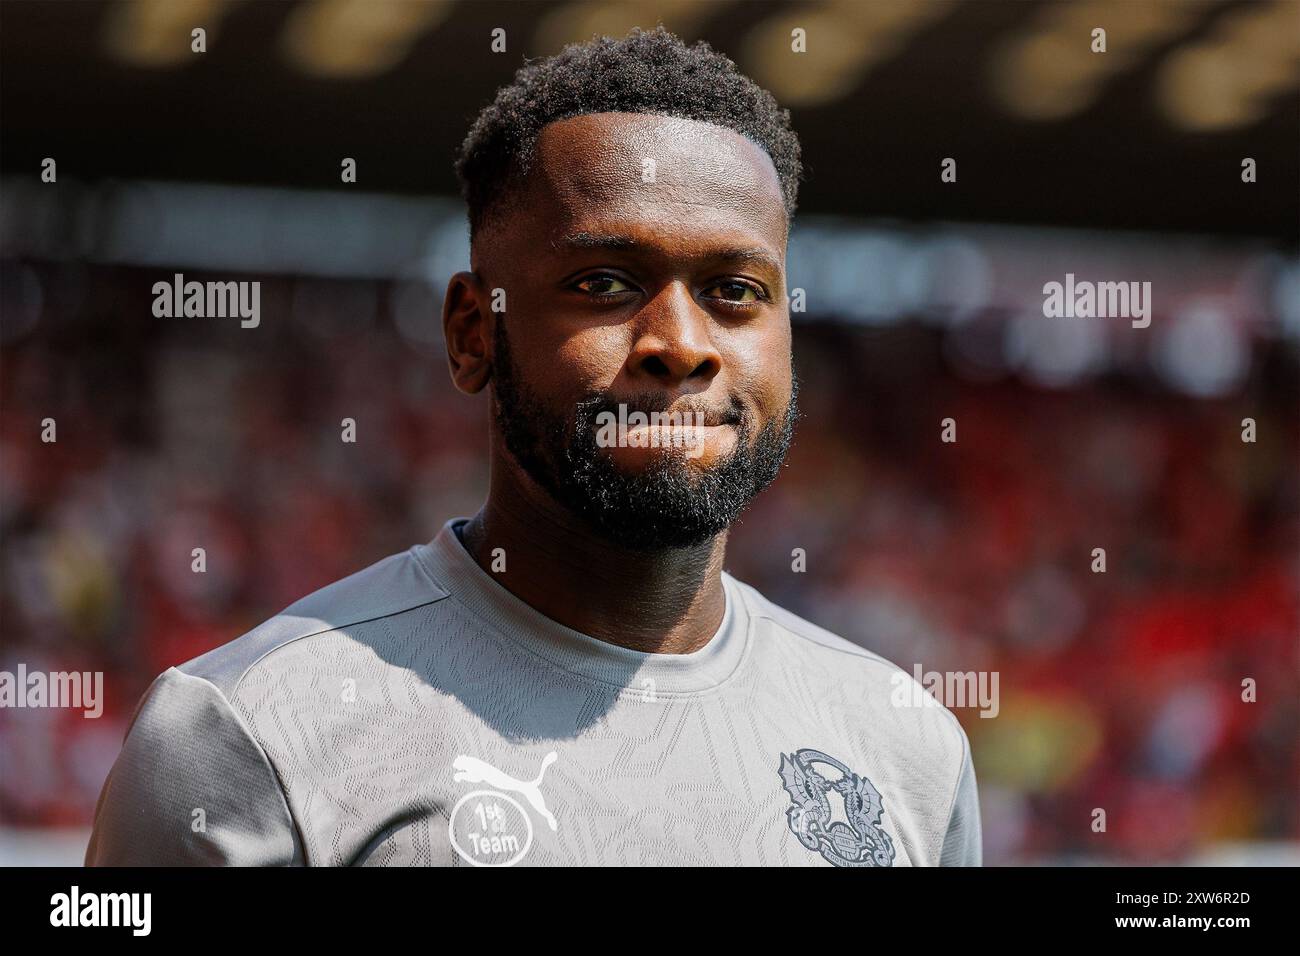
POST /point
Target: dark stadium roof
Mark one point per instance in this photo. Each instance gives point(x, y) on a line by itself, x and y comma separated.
point(979, 81)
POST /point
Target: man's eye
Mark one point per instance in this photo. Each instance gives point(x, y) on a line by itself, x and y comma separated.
point(735, 291)
point(602, 285)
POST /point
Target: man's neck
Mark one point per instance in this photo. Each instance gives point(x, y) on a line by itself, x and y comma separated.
point(665, 602)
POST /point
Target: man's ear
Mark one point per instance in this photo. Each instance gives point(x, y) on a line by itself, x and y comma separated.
point(467, 326)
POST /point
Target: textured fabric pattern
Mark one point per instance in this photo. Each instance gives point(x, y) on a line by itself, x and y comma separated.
point(347, 729)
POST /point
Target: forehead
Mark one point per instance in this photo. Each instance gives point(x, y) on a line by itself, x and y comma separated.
point(620, 169)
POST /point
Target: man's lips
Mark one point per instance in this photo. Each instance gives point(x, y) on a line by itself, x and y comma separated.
point(693, 440)
point(680, 433)
point(688, 417)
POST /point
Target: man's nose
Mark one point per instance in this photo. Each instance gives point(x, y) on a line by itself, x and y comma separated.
point(673, 343)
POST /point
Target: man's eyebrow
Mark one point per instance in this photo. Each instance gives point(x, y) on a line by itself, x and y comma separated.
point(620, 243)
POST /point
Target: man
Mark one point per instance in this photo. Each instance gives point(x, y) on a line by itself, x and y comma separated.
point(570, 677)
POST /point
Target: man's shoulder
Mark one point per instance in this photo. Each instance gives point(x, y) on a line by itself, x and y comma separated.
point(389, 587)
point(195, 715)
point(874, 681)
point(806, 631)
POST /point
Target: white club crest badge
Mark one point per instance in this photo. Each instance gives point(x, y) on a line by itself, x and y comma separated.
point(859, 839)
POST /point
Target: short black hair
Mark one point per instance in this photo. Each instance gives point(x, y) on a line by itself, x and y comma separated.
point(646, 72)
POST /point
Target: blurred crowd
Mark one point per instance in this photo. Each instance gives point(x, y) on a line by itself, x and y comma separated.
point(1120, 690)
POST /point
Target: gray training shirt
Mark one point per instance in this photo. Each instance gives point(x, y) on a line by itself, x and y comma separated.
point(417, 713)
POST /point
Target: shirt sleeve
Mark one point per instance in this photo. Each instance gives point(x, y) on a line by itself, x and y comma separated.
point(191, 788)
point(963, 843)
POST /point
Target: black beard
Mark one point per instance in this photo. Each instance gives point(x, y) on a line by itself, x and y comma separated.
point(669, 504)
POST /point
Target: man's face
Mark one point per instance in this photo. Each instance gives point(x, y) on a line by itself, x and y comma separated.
point(644, 266)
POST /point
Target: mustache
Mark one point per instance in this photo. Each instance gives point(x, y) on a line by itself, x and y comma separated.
point(730, 412)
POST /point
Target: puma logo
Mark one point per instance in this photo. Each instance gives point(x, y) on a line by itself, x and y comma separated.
point(473, 770)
